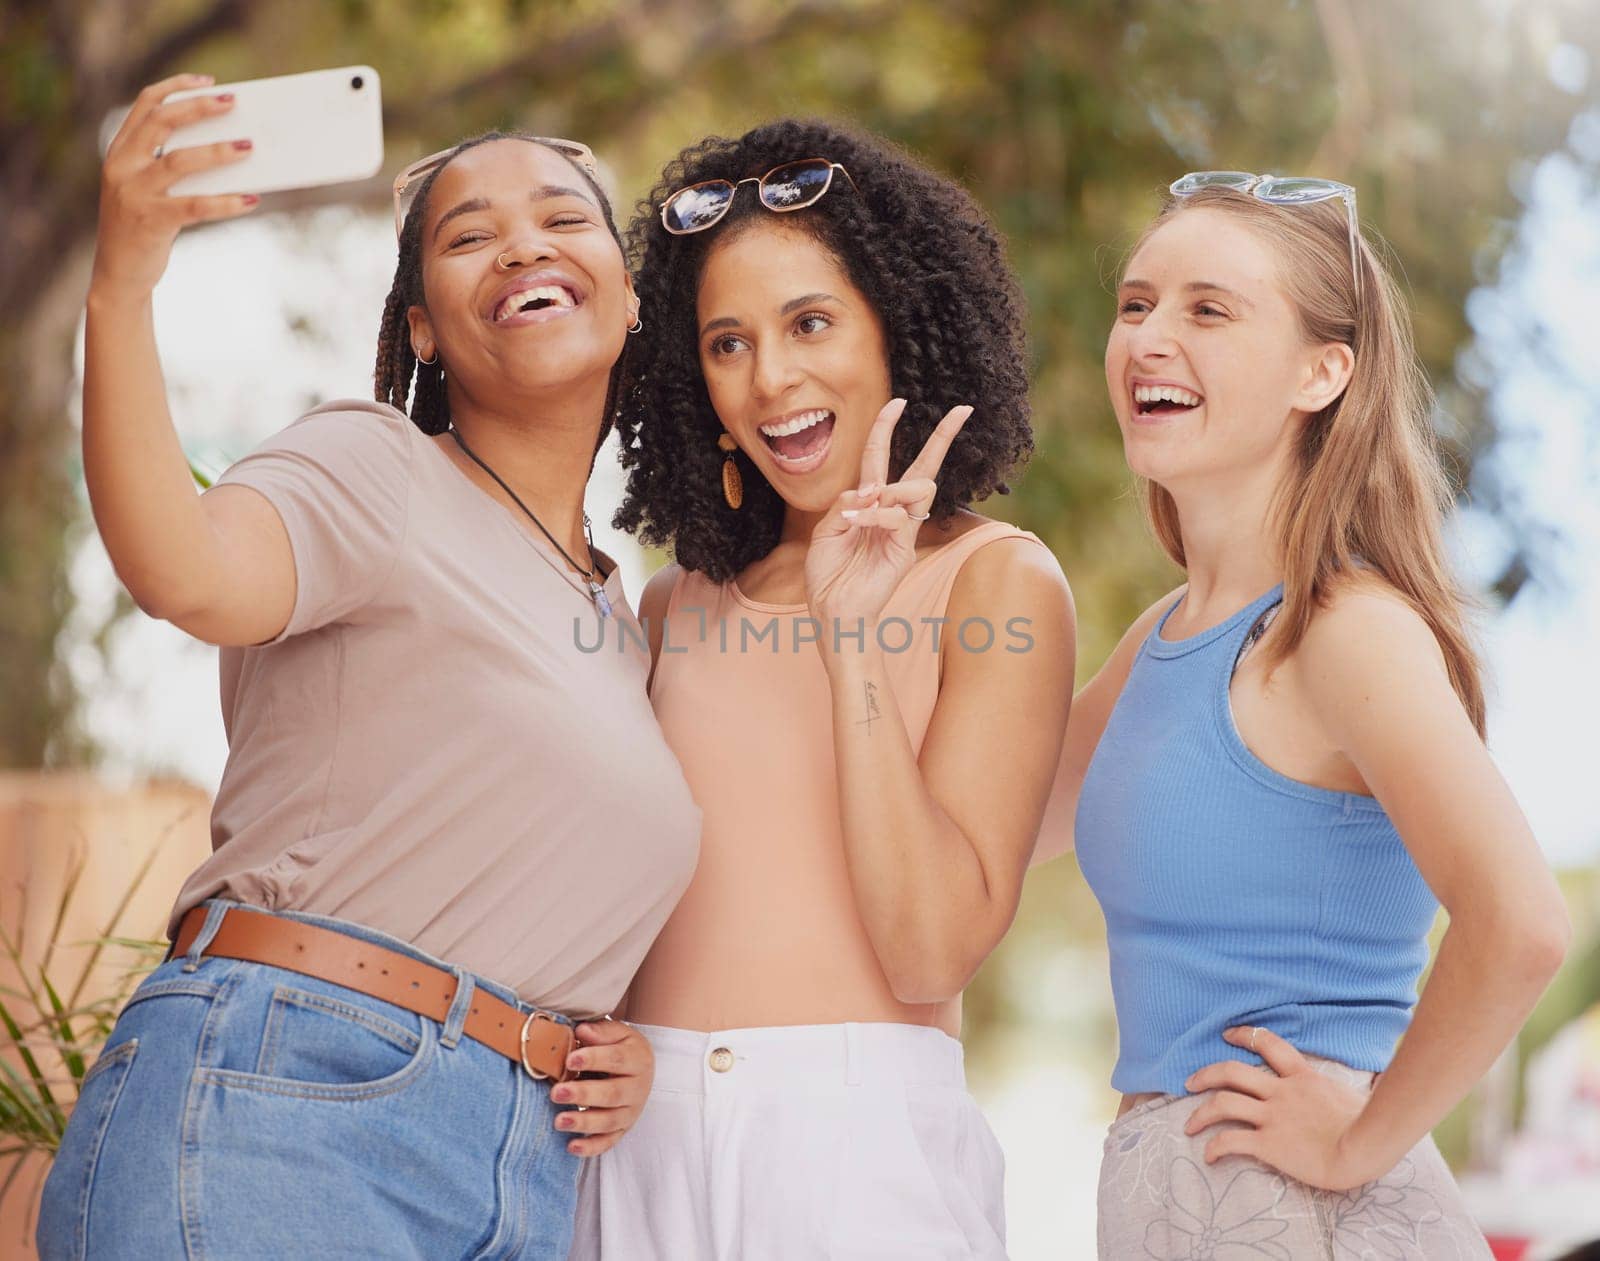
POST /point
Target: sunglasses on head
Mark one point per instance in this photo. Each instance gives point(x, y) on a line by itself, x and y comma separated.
point(791, 186)
point(410, 180)
point(1280, 190)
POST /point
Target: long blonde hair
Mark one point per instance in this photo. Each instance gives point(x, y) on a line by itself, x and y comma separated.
point(1367, 488)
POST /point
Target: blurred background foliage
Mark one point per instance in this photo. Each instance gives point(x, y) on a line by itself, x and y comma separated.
point(1065, 119)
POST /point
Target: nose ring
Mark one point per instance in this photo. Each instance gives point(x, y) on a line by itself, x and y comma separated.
point(500, 262)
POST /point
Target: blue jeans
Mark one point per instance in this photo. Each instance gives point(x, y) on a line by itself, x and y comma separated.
point(240, 1110)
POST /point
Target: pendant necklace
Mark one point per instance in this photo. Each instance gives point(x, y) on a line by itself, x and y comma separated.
point(596, 592)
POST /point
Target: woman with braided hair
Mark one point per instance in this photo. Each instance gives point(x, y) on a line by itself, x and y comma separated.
point(866, 684)
point(445, 835)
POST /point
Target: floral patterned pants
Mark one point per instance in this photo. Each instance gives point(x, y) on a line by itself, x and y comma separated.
point(1159, 1199)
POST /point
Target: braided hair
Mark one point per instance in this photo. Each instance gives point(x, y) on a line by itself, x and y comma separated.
point(928, 262)
point(397, 362)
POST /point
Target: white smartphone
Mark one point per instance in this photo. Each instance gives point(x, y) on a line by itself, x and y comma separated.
point(321, 127)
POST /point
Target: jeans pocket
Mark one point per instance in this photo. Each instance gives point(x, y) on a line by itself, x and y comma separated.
point(317, 1045)
point(64, 1206)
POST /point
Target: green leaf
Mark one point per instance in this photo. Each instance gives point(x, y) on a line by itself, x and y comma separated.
point(68, 1044)
point(46, 1096)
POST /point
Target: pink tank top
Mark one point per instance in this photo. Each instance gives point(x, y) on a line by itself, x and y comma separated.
point(768, 932)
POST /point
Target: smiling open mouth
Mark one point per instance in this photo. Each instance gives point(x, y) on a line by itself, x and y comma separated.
point(802, 440)
point(1164, 400)
point(538, 298)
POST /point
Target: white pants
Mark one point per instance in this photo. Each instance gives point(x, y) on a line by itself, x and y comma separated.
point(799, 1143)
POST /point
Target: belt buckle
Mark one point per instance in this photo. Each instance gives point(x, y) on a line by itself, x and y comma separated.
point(523, 1046)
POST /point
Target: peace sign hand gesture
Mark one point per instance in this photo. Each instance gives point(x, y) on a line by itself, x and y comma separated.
point(867, 541)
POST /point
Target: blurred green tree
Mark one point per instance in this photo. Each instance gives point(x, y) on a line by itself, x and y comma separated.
point(1066, 119)
point(450, 67)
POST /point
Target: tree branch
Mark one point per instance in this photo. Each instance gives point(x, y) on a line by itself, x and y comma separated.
point(221, 18)
point(562, 56)
point(715, 34)
point(1352, 92)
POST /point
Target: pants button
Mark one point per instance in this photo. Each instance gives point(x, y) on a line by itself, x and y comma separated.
point(721, 1060)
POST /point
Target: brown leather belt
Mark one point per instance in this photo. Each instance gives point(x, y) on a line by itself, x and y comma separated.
point(535, 1040)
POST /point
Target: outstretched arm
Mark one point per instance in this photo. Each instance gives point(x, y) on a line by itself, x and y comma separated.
point(219, 566)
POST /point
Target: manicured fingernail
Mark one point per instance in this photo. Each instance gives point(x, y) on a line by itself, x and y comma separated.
point(575, 1060)
point(244, 144)
point(564, 1121)
point(575, 1148)
point(225, 96)
point(561, 1094)
point(250, 199)
point(849, 514)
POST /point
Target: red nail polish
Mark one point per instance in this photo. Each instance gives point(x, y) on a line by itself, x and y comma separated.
point(244, 144)
point(250, 199)
point(225, 96)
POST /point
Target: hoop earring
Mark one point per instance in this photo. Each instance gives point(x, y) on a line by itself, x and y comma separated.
point(426, 362)
point(636, 325)
point(732, 483)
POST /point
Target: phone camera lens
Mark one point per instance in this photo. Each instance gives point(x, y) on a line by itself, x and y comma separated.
point(357, 82)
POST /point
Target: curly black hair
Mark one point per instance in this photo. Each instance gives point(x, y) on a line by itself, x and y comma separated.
point(927, 260)
point(391, 376)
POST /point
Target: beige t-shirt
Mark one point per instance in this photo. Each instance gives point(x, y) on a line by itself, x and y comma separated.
point(434, 747)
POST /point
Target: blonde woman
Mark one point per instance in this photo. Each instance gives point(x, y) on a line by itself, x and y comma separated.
point(1280, 772)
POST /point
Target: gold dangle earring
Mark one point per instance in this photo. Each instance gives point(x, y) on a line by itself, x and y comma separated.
point(732, 483)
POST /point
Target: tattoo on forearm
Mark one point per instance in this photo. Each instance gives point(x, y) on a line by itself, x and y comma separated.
point(873, 712)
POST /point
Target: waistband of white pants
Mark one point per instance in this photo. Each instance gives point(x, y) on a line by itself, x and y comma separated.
point(841, 1055)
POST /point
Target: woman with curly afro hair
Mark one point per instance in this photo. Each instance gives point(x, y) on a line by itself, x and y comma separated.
point(866, 684)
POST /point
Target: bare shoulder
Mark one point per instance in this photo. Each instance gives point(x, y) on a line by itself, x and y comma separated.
point(1010, 571)
point(1364, 628)
point(1368, 665)
point(657, 593)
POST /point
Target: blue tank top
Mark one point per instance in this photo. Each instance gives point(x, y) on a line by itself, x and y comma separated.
point(1234, 895)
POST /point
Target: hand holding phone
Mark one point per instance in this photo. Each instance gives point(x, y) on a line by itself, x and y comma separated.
point(307, 130)
point(139, 218)
point(190, 151)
